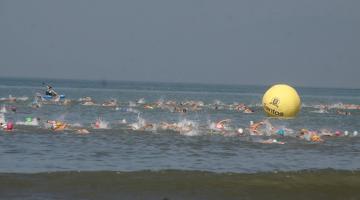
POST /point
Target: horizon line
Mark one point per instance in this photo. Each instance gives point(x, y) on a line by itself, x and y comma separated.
point(176, 82)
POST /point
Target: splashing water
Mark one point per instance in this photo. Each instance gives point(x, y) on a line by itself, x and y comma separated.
point(188, 127)
point(2, 118)
point(139, 124)
point(141, 101)
point(101, 124)
point(3, 109)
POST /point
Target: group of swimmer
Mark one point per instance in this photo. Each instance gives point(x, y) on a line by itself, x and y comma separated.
point(258, 130)
point(186, 127)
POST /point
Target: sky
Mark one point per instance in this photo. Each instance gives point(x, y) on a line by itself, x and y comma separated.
point(253, 42)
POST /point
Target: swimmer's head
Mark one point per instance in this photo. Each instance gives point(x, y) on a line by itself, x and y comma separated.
point(28, 119)
point(281, 132)
point(9, 126)
point(337, 133)
point(315, 138)
point(251, 122)
point(346, 132)
point(355, 133)
point(240, 130)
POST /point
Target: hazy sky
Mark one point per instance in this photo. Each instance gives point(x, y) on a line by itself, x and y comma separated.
point(301, 42)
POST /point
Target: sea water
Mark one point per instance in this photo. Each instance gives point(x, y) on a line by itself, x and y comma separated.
point(29, 150)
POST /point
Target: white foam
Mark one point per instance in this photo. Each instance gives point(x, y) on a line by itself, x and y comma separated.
point(2, 118)
point(101, 124)
point(132, 104)
point(3, 109)
point(33, 122)
point(188, 127)
point(141, 101)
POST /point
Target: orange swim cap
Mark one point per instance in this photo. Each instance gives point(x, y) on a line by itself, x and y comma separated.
point(315, 138)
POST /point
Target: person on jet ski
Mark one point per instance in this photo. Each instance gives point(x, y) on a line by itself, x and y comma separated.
point(50, 91)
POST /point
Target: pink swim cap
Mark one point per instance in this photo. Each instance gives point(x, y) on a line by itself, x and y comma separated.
point(9, 126)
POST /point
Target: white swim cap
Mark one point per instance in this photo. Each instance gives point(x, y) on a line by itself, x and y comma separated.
point(346, 132)
point(251, 122)
point(240, 130)
point(355, 133)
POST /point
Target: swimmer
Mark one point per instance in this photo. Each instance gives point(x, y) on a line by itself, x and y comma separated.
point(343, 112)
point(100, 124)
point(148, 107)
point(316, 138)
point(141, 101)
point(9, 126)
point(29, 121)
point(248, 111)
point(240, 131)
point(86, 101)
point(110, 103)
point(325, 132)
point(82, 131)
point(355, 133)
point(271, 141)
point(57, 125)
point(67, 102)
point(10, 99)
point(253, 128)
point(312, 136)
point(240, 107)
point(221, 125)
point(142, 126)
point(97, 124)
point(168, 126)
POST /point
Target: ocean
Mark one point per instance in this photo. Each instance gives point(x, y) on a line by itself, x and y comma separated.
point(161, 141)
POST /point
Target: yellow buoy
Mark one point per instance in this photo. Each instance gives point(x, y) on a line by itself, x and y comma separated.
point(281, 101)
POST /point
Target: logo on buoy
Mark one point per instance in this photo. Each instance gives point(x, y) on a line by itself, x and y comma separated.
point(275, 101)
point(281, 101)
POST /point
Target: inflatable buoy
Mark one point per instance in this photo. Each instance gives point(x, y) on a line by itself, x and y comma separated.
point(281, 101)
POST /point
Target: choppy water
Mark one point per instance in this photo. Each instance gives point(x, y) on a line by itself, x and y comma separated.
point(38, 149)
point(34, 149)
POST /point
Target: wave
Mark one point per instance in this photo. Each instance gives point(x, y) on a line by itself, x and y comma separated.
point(178, 184)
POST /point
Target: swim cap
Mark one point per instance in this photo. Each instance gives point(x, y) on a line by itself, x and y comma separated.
point(240, 130)
point(28, 119)
point(303, 130)
point(337, 133)
point(219, 126)
point(281, 132)
point(315, 138)
point(355, 133)
point(9, 126)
